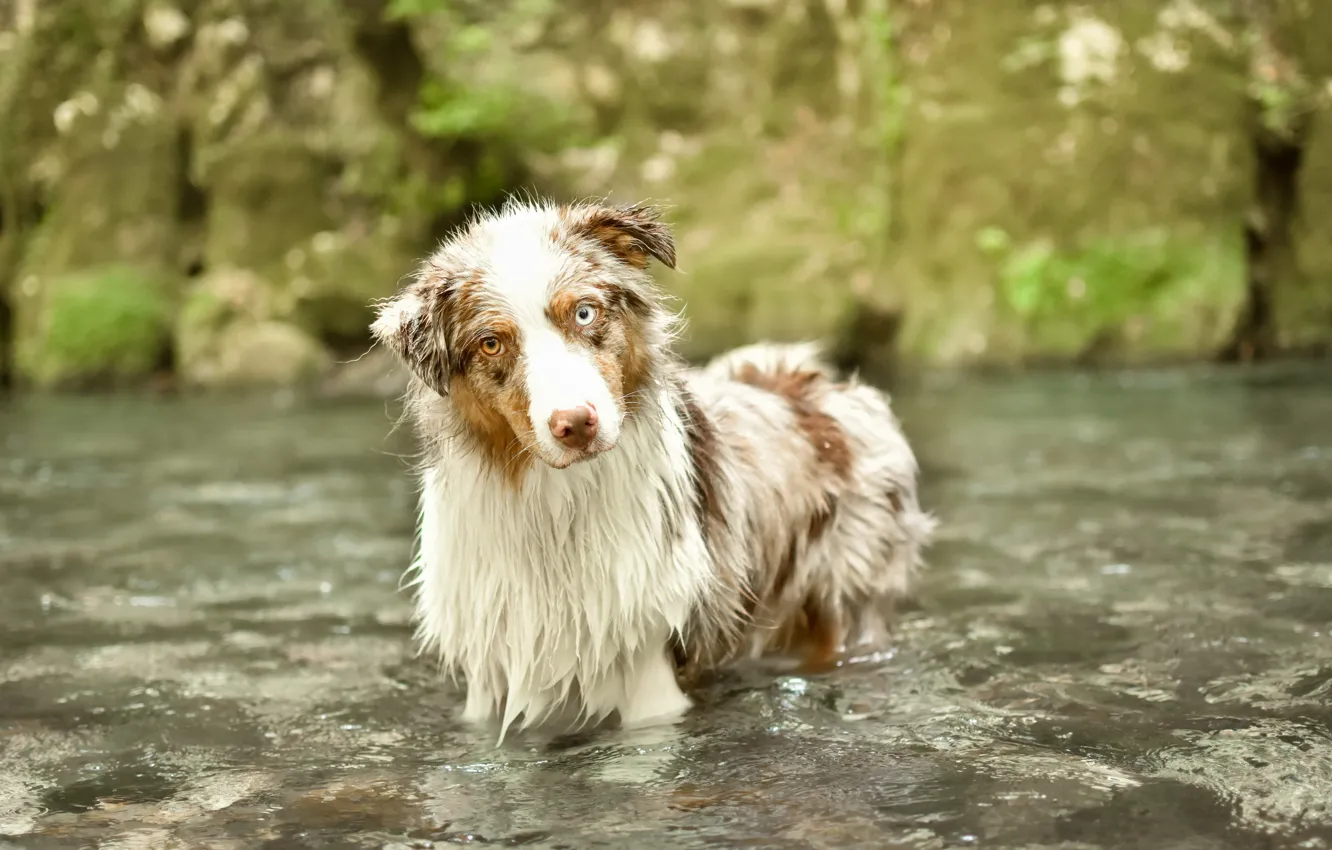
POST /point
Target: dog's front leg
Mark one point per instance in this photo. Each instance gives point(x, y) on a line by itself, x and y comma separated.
point(480, 706)
point(651, 693)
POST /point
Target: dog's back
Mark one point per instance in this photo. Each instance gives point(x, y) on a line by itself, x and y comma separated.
point(750, 361)
point(816, 493)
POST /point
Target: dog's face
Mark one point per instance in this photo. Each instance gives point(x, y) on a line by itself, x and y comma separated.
point(539, 325)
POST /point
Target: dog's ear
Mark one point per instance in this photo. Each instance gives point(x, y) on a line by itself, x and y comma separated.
point(632, 233)
point(411, 325)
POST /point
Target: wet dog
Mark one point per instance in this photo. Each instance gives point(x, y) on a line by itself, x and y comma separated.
point(599, 523)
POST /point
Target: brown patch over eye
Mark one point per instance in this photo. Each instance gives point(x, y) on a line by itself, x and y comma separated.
point(561, 309)
point(496, 414)
point(579, 316)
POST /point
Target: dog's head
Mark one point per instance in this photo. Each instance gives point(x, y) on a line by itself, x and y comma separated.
point(540, 325)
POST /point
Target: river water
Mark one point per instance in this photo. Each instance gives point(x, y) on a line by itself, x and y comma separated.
point(1124, 641)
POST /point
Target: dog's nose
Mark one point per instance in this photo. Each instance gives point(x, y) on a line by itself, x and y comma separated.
point(576, 427)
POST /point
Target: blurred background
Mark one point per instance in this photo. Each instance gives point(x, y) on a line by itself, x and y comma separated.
point(209, 192)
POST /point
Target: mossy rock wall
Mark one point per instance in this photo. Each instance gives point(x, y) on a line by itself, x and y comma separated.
point(954, 183)
point(1073, 179)
point(181, 140)
point(1009, 183)
point(762, 125)
point(1304, 314)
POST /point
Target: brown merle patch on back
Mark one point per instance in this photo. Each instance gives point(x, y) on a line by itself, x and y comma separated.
point(820, 429)
point(812, 629)
point(827, 438)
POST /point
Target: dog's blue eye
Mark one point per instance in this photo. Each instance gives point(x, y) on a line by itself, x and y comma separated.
point(585, 314)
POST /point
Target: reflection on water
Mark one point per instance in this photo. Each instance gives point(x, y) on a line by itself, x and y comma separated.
point(1125, 640)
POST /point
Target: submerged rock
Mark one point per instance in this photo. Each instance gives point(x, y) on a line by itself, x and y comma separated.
point(226, 336)
point(264, 353)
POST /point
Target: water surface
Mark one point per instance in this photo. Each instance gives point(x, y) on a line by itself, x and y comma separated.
point(1124, 641)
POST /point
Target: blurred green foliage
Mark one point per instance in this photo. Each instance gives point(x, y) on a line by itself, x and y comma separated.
point(469, 98)
point(1066, 298)
point(109, 323)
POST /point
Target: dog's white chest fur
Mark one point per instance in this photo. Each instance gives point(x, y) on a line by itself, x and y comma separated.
point(568, 585)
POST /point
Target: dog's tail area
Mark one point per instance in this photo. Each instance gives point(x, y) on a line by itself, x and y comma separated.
point(772, 360)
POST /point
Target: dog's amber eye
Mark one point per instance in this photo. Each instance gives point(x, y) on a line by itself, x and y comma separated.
point(491, 346)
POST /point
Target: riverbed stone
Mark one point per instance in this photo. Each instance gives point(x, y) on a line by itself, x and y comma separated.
point(220, 299)
point(112, 175)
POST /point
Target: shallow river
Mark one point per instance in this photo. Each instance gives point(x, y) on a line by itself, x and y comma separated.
point(1124, 640)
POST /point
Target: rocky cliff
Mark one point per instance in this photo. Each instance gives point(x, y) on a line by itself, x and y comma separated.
point(216, 189)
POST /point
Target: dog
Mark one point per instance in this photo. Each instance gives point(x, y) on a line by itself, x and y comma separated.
point(600, 524)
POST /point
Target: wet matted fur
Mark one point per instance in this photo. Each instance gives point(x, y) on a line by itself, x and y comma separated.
point(759, 504)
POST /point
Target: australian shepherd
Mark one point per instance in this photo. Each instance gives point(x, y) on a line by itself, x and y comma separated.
point(599, 523)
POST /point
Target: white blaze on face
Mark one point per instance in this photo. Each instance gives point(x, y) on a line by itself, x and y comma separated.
point(560, 374)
